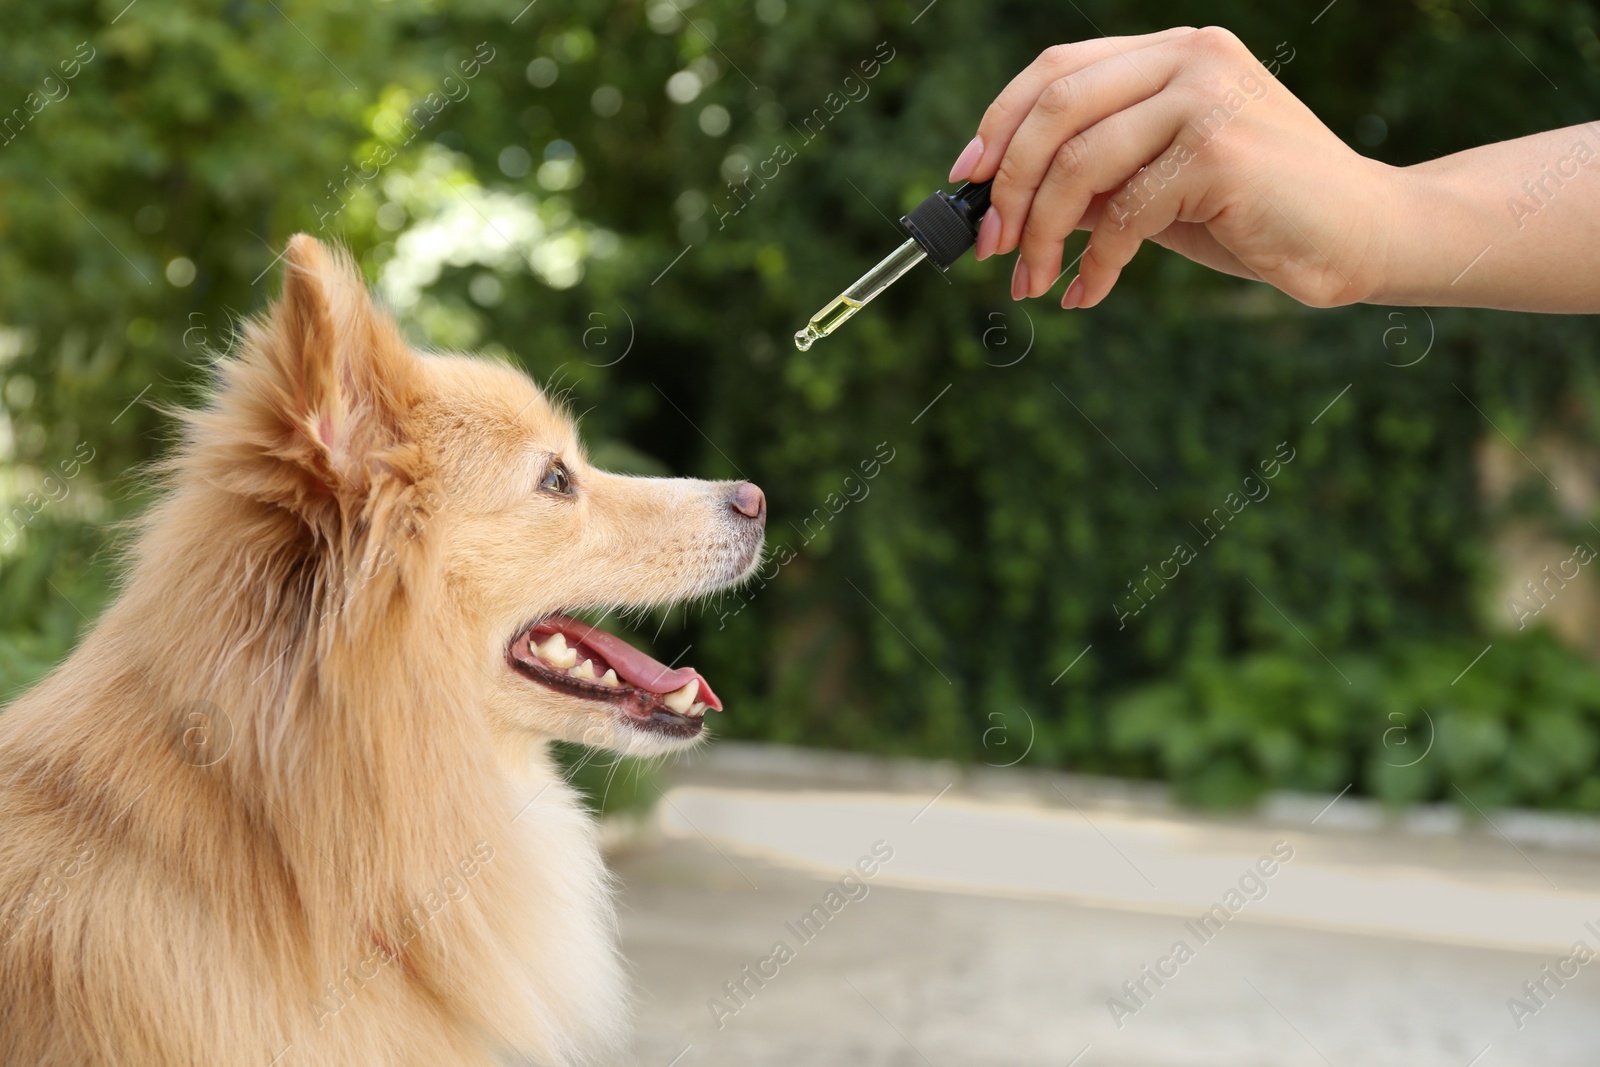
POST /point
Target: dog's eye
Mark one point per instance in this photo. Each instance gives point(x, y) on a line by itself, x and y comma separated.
point(557, 479)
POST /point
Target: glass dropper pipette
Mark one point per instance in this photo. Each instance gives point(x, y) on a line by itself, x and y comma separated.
point(942, 228)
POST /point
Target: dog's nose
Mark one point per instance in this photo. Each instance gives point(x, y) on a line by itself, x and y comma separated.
point(748, 500)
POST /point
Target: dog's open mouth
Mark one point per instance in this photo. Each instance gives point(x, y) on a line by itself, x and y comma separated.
point(575, 657)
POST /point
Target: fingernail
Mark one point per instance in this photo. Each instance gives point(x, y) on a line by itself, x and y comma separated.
point(967, 160)
point(988, 233)
point(1074, 294)
point(1019, 280)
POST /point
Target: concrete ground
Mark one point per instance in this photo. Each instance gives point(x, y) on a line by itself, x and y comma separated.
point(1004, 911)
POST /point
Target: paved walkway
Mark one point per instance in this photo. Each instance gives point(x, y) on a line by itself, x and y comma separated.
point(785, 909)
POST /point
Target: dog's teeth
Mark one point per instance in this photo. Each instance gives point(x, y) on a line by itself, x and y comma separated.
point(556, 653)
point(696, 710)
point(583, 670)
point(680, 699)
point(610, 678)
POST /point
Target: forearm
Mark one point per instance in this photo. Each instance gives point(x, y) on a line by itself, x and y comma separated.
point(1514, 225)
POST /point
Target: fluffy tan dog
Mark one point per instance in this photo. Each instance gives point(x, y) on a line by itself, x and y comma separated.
point(290, 802)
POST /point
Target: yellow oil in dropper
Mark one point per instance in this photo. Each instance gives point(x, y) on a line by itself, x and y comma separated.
point(942, 228)
point(826, 321)
point(853, 299)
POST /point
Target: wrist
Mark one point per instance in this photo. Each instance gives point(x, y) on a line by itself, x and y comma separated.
point(1434, 231)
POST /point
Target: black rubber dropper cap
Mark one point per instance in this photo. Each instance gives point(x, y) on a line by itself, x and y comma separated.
point(946, 224)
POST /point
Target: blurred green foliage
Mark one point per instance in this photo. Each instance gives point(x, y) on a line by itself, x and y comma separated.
point(1522, 726)
point(569, 205)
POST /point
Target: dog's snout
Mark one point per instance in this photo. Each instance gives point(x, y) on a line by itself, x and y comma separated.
point(748, 500)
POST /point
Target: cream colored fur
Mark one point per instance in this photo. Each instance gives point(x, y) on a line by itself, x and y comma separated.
point(287, 803)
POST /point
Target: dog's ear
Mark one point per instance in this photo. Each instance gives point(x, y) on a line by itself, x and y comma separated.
point(331, 384)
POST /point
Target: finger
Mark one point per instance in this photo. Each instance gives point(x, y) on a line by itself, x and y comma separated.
point(1098, 160)
point(1006, 113)
point(1065, 109)
point(989, 230)
point(1168, 192)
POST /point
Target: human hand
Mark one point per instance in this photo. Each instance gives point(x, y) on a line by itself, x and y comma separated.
point(1184, 138)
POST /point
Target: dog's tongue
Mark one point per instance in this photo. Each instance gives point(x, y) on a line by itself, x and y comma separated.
point(632, 666)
